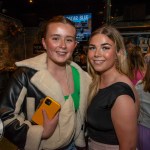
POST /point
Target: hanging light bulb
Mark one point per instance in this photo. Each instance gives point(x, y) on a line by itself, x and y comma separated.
point(30, 1)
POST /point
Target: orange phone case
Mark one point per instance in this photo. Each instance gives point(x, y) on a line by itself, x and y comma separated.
point(50, 106)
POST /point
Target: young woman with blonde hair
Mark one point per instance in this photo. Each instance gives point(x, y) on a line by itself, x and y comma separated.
point(113, 103)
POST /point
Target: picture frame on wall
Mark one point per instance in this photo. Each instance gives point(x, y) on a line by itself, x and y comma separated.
point(141, 39)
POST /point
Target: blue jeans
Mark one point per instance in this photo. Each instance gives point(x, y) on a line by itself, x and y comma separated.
point(71, 146)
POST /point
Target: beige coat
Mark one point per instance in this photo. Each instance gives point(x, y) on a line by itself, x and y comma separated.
point(70, 123)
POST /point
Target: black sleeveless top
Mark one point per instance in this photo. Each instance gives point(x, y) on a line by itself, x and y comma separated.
point(99, 123)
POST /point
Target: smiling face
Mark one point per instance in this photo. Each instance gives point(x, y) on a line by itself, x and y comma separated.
point(102, 53)
point(59, 42)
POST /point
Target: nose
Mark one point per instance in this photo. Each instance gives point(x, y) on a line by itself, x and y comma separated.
point(62, 43)
point(97, 52)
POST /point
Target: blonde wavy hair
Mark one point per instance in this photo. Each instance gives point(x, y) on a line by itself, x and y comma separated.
point(121, 65)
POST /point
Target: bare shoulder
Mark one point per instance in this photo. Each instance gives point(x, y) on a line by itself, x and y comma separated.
point(148, 54)
point(126, 80)
point(125, 100)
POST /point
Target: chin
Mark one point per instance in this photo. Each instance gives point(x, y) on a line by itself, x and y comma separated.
point(98, 69)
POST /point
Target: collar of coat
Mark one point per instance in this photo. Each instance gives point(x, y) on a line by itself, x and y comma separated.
point(44, 81)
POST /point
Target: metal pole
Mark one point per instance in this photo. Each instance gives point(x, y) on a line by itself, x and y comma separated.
point(108, 11)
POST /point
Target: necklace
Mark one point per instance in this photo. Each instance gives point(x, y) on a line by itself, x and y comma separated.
point(67, 79)
point(63, 80)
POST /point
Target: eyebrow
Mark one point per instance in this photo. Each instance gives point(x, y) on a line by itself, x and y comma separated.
point(60, 35)
point(103, 44)
point(106, 44)
point(54, 35)
point(91, 45)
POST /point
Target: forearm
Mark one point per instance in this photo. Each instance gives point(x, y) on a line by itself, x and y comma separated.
point(127, 147)
point(22, 133)
point(10, 112)
point(15, 133)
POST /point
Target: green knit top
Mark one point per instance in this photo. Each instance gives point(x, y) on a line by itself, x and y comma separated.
point(76, 94)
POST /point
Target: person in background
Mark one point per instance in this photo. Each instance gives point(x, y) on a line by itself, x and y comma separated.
point(136, 64)
point(113, 103)
point(129, 44)
point(143, 89)
point(147, 56)
point(49, 74)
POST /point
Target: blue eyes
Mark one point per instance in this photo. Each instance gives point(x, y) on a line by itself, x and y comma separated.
point(55, 39)
point(105, 48)
point(92, 48)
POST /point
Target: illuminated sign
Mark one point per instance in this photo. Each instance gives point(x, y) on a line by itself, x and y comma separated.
point(83, 25)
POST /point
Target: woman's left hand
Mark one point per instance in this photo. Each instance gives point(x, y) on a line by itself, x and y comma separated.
point(49, 125)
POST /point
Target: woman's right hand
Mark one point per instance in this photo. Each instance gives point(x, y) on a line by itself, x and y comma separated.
point(49, 125)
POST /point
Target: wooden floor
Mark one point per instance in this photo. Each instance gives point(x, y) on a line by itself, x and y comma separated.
point(6, 145)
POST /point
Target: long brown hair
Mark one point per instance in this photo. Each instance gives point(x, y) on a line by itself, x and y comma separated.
point(146, 79)
point(135, 61)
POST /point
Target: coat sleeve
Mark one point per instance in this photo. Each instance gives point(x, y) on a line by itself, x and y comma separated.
point(17, 128)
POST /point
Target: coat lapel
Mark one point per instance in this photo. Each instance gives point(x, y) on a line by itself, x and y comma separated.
point(44, 81)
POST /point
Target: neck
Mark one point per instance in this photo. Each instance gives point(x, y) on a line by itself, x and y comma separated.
point(54, 68)
point(109, 77)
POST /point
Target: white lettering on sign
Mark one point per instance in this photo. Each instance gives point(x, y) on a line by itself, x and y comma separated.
point(78, 18)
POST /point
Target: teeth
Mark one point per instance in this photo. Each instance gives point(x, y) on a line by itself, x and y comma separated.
point(61, 53)
point(98, 62)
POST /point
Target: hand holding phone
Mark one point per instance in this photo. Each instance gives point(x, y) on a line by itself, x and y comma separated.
point(49, 126)
point(50, 106)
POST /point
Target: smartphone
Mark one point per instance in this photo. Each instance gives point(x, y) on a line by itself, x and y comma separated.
point(50, 106)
